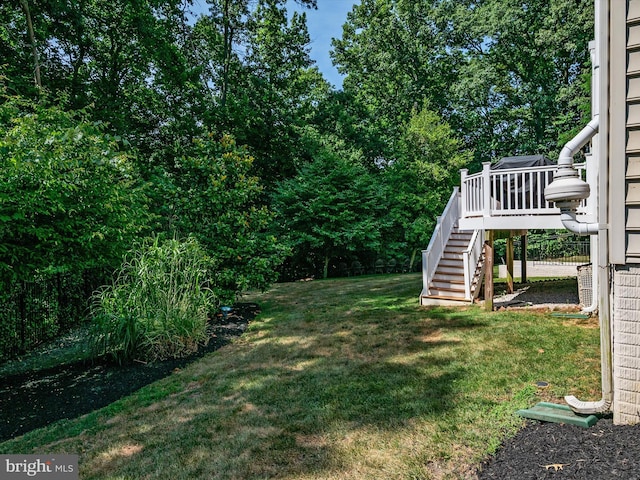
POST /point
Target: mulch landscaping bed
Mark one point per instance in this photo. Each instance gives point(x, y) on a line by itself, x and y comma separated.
point(36, 399)
point(550, 450)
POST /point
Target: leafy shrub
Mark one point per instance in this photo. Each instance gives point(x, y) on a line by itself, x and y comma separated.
point(70, 197)
point(216, 199)
point(158, 305)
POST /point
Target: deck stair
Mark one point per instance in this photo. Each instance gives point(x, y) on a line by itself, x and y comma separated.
point(448, 281)
point(452, 264)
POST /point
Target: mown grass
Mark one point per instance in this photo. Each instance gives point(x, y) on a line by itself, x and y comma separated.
point(337, 379)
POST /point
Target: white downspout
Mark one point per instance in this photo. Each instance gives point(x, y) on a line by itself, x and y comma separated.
point(567, 190)
point(567, 194)
point(606, 351)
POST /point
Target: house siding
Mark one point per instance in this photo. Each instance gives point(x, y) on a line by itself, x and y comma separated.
point(632, 128)
point(626, 344)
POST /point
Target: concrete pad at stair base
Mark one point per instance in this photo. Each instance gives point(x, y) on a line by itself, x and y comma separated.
point(430, 301)
point(539, 269)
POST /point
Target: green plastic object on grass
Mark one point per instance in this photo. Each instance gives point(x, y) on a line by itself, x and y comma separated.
point(551, 412)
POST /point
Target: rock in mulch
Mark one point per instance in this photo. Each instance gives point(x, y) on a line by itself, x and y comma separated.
point(549, 450)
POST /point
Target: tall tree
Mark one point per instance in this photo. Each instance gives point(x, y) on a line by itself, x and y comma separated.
point(394, 58)
point(214, 197)
point(521, 84)
point(32, 39)
point(422, 176)
point(333, 207)
point(506, 74)
point(280, 88)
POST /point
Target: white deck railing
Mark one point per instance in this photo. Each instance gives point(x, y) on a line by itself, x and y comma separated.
point(518, 191)
point(445, 225)
point(471, 259)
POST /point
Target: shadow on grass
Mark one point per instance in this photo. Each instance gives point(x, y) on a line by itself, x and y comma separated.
point(287, 415)
point(302, 395)
point(283, 406)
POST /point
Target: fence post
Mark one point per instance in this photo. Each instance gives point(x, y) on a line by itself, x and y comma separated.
point(22, 306)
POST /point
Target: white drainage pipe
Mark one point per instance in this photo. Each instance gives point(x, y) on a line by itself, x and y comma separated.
point(567, 191)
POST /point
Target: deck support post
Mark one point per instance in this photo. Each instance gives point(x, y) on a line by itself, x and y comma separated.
point(488, 272)
point(510, 264)
point(523, 259)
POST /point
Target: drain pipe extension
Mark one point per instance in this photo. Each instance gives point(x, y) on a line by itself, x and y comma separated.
point(568, 218)
point(595, 278)
point(606, 351)
point(567, 191)
point(574, 145)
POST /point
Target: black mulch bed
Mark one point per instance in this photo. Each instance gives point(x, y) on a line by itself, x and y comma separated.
point(33, 400)
point(549, 450)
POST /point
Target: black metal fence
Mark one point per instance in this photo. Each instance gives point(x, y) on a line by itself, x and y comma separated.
point(562, 248)
point(38, 310)
point(312, 267)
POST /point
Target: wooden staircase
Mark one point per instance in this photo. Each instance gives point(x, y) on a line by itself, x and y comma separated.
point(453, 263)
point(448, 282)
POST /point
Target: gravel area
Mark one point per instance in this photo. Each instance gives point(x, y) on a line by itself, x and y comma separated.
point(544, 294)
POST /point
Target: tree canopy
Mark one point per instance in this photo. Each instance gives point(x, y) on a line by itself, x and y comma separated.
point(126, 118)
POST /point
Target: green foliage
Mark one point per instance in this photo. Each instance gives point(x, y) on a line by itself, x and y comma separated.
point(69, 196)
point(264, 95)
point(158, 305)
point(422, 177)
point(217, 200)
point(520, 85)
point(499, 77)
point(505, 74)
point(334, 205)
point(394, 58)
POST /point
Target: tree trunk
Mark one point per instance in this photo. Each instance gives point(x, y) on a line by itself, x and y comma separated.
point(325, 268)
point(227, 45)
point(32, 39)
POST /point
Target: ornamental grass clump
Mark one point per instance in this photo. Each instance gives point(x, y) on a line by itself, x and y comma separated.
point(158, 305)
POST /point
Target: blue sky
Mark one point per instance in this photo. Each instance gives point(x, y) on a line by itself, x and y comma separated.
point(324, 24)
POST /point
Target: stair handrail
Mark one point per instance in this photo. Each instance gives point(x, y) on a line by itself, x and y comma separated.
point(471, 259)
point(444, 226)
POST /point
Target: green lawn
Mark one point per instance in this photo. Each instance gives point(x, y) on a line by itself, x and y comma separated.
point(338, 379)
